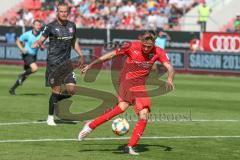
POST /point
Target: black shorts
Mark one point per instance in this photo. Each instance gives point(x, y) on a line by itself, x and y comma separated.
point(28, 59)
point(51, 79)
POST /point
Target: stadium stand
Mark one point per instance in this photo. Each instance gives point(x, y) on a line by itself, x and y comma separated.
point(126, 14)
point(120, 14)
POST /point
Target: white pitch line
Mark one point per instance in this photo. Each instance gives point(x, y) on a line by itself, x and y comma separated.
point(21, 123)
point(116, 138)
point(197, 120)
point(216, 120)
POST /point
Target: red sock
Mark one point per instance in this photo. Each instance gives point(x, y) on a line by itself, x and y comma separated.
point(137, 132)
point(105, 117)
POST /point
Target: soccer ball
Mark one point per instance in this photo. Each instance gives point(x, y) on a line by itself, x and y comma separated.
point(120, 126)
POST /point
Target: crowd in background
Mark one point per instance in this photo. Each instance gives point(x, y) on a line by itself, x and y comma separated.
point(236, 24)
point(117, 14)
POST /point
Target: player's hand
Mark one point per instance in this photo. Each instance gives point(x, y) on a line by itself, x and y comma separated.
point(80, 62)
point(42, 47)
point(24, 51)
point(169, 85)
point(35, 45)
point(85, 68)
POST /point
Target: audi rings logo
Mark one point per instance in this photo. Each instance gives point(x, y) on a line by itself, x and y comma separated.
point(225, 43)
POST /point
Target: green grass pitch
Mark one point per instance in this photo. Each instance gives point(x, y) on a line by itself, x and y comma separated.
point(209, 129)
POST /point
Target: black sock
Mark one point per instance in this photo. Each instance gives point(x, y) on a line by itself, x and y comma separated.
point(27, 72)
point(21, 78)
point(16, 84)
point(61, 97)
point(24, 75)
point(54, 99)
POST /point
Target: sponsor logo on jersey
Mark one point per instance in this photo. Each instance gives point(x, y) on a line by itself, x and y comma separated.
point(70, 30)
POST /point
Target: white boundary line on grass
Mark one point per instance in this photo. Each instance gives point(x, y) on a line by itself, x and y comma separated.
point(197, 120)
point(116, 138)
point(215, 120)
point(21, 123)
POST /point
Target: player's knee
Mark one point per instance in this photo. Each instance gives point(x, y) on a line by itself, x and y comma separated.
point(71, 90)
point(34, 68)
point(143, 114)
point(123, 105)
point(56, 89)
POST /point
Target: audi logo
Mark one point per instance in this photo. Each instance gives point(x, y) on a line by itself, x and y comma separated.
point(225, 43)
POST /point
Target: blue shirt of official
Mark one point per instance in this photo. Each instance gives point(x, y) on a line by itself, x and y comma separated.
point(161, 42)
point(28, 38)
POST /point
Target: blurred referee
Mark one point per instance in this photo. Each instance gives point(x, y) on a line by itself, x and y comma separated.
point(29, 54)
point(62, 37)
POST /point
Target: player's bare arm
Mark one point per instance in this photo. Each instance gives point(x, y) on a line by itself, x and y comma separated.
point(171, 73)
point(39, 43)
point(20, 46)
point(101, 59)
point(77, 48)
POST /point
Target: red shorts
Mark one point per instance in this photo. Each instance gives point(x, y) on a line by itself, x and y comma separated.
point(136, 96)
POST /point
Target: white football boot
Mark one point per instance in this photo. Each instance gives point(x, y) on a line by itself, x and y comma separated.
point(50, 121)
point(130, 150)
point(84, 132)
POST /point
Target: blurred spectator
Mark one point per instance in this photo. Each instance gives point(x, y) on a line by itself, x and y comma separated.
point(176, 4)
point(130, 7)
point(151, 5)
point(104, 11)
point(204, 11)
point(114, 20)
point(20, 22)
point(167, 10)
point(162, 21)
point(37, 4)
point(137, 22)
point(127, 21)
point(237, 24)
point(33, 4)
point(151, 20)
point(56, 2)
point(139, 1)
point(182, 6)
point(12, 21)
point(93, 8)
point(84, 8)
point(27, 17)
point(162, 3)
point(5, 22)
point(76, 3)
point(141, 11)
point(173, 17)
point(113, 6)
point(100, 23)
point(118, 14)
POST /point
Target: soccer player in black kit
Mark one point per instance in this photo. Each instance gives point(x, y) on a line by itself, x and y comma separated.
point(62, 37)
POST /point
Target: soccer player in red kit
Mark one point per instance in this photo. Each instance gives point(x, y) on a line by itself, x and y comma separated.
point(132, 89)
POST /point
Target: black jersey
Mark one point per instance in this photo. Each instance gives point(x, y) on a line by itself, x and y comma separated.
point(61, 38)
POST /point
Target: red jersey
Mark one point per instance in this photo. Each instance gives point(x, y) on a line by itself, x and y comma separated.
point(135, 72)
point(138, 65)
